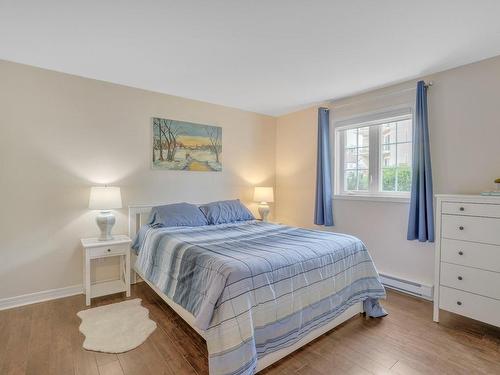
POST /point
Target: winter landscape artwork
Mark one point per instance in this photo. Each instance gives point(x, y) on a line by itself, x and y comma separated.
point(180, 145)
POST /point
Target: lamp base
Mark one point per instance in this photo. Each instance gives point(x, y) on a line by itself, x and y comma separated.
point(105, 221)
point(264, 211)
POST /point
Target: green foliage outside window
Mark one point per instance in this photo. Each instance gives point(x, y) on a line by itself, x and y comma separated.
point(389, 179)
point(352, 183)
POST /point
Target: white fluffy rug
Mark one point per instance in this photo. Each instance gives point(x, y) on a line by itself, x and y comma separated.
point(116, 328)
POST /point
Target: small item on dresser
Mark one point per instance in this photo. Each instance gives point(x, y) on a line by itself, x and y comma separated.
point(493, 192)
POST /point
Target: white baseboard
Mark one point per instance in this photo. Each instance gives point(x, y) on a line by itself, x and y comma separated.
point(45, 295)
point(408, 286)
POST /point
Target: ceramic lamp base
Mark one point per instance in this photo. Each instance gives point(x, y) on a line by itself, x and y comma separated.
point(264, 211)
point(105, 221)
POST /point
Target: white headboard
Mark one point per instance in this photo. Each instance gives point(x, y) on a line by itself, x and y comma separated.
point(137, 216)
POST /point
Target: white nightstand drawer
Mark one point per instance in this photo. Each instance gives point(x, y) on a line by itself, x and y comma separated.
point(111, 250)
point(471, 209)
point(467, 228)
point(470, 279)
point(471, 254)
point(471, 305)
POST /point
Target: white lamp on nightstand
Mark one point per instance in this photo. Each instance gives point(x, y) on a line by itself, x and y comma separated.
point(105, 198)
point(263, 195)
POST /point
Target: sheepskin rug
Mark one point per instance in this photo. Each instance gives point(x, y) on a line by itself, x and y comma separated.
point(116, 328)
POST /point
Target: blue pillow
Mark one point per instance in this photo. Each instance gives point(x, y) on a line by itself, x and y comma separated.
point(177, 215)
point(226, 212)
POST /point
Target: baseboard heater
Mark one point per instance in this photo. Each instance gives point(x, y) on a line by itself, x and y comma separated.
point(407, 286)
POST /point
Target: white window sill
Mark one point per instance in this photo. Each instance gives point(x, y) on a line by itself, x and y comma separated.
point(374, 198)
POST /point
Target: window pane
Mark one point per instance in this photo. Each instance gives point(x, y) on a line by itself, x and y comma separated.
point(404, 131)
point(350, 158)
point(388, 156)
point(388, 133)
point(404, 179)
point(363, 136)
point(404, 154)
point(363, 179)
point(350, 180)
point(363, 158)
point(350, 137)
point(389, 179)
point(393, 156)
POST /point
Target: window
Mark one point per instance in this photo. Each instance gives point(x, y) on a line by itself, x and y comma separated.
point(373, 157)
point(357, 159)
point(396, 156)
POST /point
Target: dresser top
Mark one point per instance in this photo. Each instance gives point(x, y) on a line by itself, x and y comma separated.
point(471, 198)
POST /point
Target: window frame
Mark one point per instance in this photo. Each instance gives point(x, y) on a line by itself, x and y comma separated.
point(374, 191)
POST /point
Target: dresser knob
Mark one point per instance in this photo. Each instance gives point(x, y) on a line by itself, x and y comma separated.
point(460, 252)
point(109, 250)
point(459, 303)
point(461, 227)
point(460, 278)
point(462, 209)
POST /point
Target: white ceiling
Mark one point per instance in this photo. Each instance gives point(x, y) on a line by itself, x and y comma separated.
point(271, 56)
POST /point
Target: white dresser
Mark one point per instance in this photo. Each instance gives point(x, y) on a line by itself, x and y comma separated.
point(467, 268)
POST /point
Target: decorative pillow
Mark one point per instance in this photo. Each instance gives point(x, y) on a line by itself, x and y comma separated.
point(226, 212)
point(177, 215)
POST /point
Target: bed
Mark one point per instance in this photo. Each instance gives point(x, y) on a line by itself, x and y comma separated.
point(254, 291)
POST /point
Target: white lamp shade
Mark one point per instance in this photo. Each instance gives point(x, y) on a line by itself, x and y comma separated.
point(263, 194)
point(105, 198)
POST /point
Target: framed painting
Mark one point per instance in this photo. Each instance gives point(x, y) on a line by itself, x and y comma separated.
point(186, 146)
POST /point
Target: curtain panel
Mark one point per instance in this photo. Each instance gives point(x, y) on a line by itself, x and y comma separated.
point(323, 210)
point(421, 217)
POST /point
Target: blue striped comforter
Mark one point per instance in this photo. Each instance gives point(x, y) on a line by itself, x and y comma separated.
point(256, 287)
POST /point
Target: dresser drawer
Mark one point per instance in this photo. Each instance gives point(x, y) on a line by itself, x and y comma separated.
point(476, 307)
point(112, 250)
point(467, 228)
point(471, 254)
point(471, 209)
point(485, 283)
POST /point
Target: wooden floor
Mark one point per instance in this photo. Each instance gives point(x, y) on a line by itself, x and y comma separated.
point(44, 339)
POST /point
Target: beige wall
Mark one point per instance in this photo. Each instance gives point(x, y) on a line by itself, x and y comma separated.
point(61, 134)
point(464, 120)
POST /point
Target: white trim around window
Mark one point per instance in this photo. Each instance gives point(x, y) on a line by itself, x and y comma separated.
point(371, 161)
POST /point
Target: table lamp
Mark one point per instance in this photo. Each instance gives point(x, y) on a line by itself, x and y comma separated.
point(104, 199)
point(263, 195)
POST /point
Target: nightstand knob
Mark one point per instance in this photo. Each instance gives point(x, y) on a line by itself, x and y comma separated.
point(462, 209)
point(460, 252)
point(459, 303)
point(109, 250)
point(460, 278)
point(461, 227)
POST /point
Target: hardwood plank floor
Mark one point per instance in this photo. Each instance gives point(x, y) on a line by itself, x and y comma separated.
point(44, 339)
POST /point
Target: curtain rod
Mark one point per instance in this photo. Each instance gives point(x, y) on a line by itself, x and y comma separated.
point(428, 85)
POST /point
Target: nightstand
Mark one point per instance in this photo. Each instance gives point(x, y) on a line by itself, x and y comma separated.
point(119, 246)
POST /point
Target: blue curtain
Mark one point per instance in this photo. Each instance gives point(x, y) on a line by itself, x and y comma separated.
point(323, 210)
point(421, 219)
